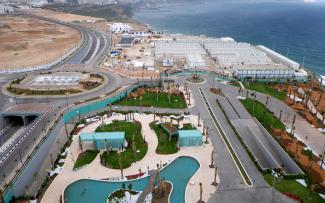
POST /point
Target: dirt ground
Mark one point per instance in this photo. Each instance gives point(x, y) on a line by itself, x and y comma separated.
point(67, 17)
point(316, 96)
point(293, 146)
point(27, 42)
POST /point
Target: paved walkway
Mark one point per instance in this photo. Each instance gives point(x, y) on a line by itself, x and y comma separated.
point(202, 154)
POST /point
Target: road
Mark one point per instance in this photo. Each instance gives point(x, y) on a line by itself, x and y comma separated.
point(95, 46)
point(232, 188)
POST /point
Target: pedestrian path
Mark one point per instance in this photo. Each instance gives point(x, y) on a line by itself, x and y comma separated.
point(150, 160)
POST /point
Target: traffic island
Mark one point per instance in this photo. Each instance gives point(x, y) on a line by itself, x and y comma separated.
point(55, 84)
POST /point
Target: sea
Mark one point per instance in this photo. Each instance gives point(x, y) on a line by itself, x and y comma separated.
point(291, 27)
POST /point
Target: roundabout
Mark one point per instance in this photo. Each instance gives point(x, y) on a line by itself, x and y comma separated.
point(55, 84)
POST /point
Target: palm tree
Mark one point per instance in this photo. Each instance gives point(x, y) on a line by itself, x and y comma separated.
point(1, 196)
point(201, 191)
point(120, 163)
point(4, 179)
point(133, 147)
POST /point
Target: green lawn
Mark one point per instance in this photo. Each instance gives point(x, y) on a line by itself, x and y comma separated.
point(127, 156)
point(266, 89)
point(263, 115)
point(85, 158)
point(164, 145)
point(235, 84)
point(156, 100)
point(293, 187)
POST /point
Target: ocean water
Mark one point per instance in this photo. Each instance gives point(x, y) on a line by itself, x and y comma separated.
point(292, 28)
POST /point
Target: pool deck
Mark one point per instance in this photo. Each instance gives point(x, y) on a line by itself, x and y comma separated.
point(96, 171)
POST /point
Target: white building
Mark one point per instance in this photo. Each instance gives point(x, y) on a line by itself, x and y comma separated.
point(195, 61)
point(230, 53)
point(177, 49)
point(279, 58)
point(5, 9)
point(120, 28)
point(267, 72)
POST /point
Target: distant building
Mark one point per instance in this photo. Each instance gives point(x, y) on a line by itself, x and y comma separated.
point(126, 42)
point(168, 60)
point(5, 9)
point(120, 28)
point(195, 61)
point(273, 71)
point(279, 58)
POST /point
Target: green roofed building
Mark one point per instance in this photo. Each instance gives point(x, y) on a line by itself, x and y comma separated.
point(103, 140)
point(189, 138)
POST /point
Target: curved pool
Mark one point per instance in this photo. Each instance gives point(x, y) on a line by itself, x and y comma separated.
point(178, 172)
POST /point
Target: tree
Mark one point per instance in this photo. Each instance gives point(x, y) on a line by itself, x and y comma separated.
point(120, 163)
point(1, 196)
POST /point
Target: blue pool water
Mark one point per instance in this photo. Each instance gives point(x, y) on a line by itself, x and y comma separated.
point(178, 172)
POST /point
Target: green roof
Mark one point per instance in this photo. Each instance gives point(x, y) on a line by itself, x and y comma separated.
point(102, 136)
point(189, 133)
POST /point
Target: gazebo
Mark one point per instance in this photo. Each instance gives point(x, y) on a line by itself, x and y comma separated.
point(104, 140)
point(189, 138)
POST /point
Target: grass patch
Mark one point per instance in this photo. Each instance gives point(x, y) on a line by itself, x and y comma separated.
point(127, 156)
point(293, 187)
point(188, 126)
point(235, 84)
point(85, 158)
point(266, 89)
point(164, 145)
point(263, 115)
point(156, 100)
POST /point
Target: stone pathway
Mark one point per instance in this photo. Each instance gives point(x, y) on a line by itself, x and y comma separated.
point(204, 173)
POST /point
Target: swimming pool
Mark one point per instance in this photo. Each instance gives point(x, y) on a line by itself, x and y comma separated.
point(178, 172)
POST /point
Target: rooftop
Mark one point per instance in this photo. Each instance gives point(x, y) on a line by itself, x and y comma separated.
point(34, 108)
point(189, 133)
point(126, 40)
point(102, 136)
point(262, 67)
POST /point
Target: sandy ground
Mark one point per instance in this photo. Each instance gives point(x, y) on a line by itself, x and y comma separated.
point(27, 42)
point(67, 17)
point(202, 154)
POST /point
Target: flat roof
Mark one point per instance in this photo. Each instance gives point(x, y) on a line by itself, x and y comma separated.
point(263, 67)
point(102, 136)
point(33, 108)
point(126, 40)
point(189, 133)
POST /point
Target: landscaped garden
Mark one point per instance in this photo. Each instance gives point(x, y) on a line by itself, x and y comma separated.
point(165, 146)
point(258, 110)
point(147, 98)
point(292, 188)
point(85, 158)
point(296, 149)
point(134, 152)
point(266, 89)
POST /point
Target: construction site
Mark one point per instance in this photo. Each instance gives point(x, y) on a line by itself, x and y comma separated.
point(156, 53)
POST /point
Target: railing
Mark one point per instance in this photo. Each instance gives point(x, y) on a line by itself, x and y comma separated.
point(70, 113)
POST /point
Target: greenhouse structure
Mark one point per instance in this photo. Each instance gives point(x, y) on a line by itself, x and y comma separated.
point(104, 140)
point(189, 138)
